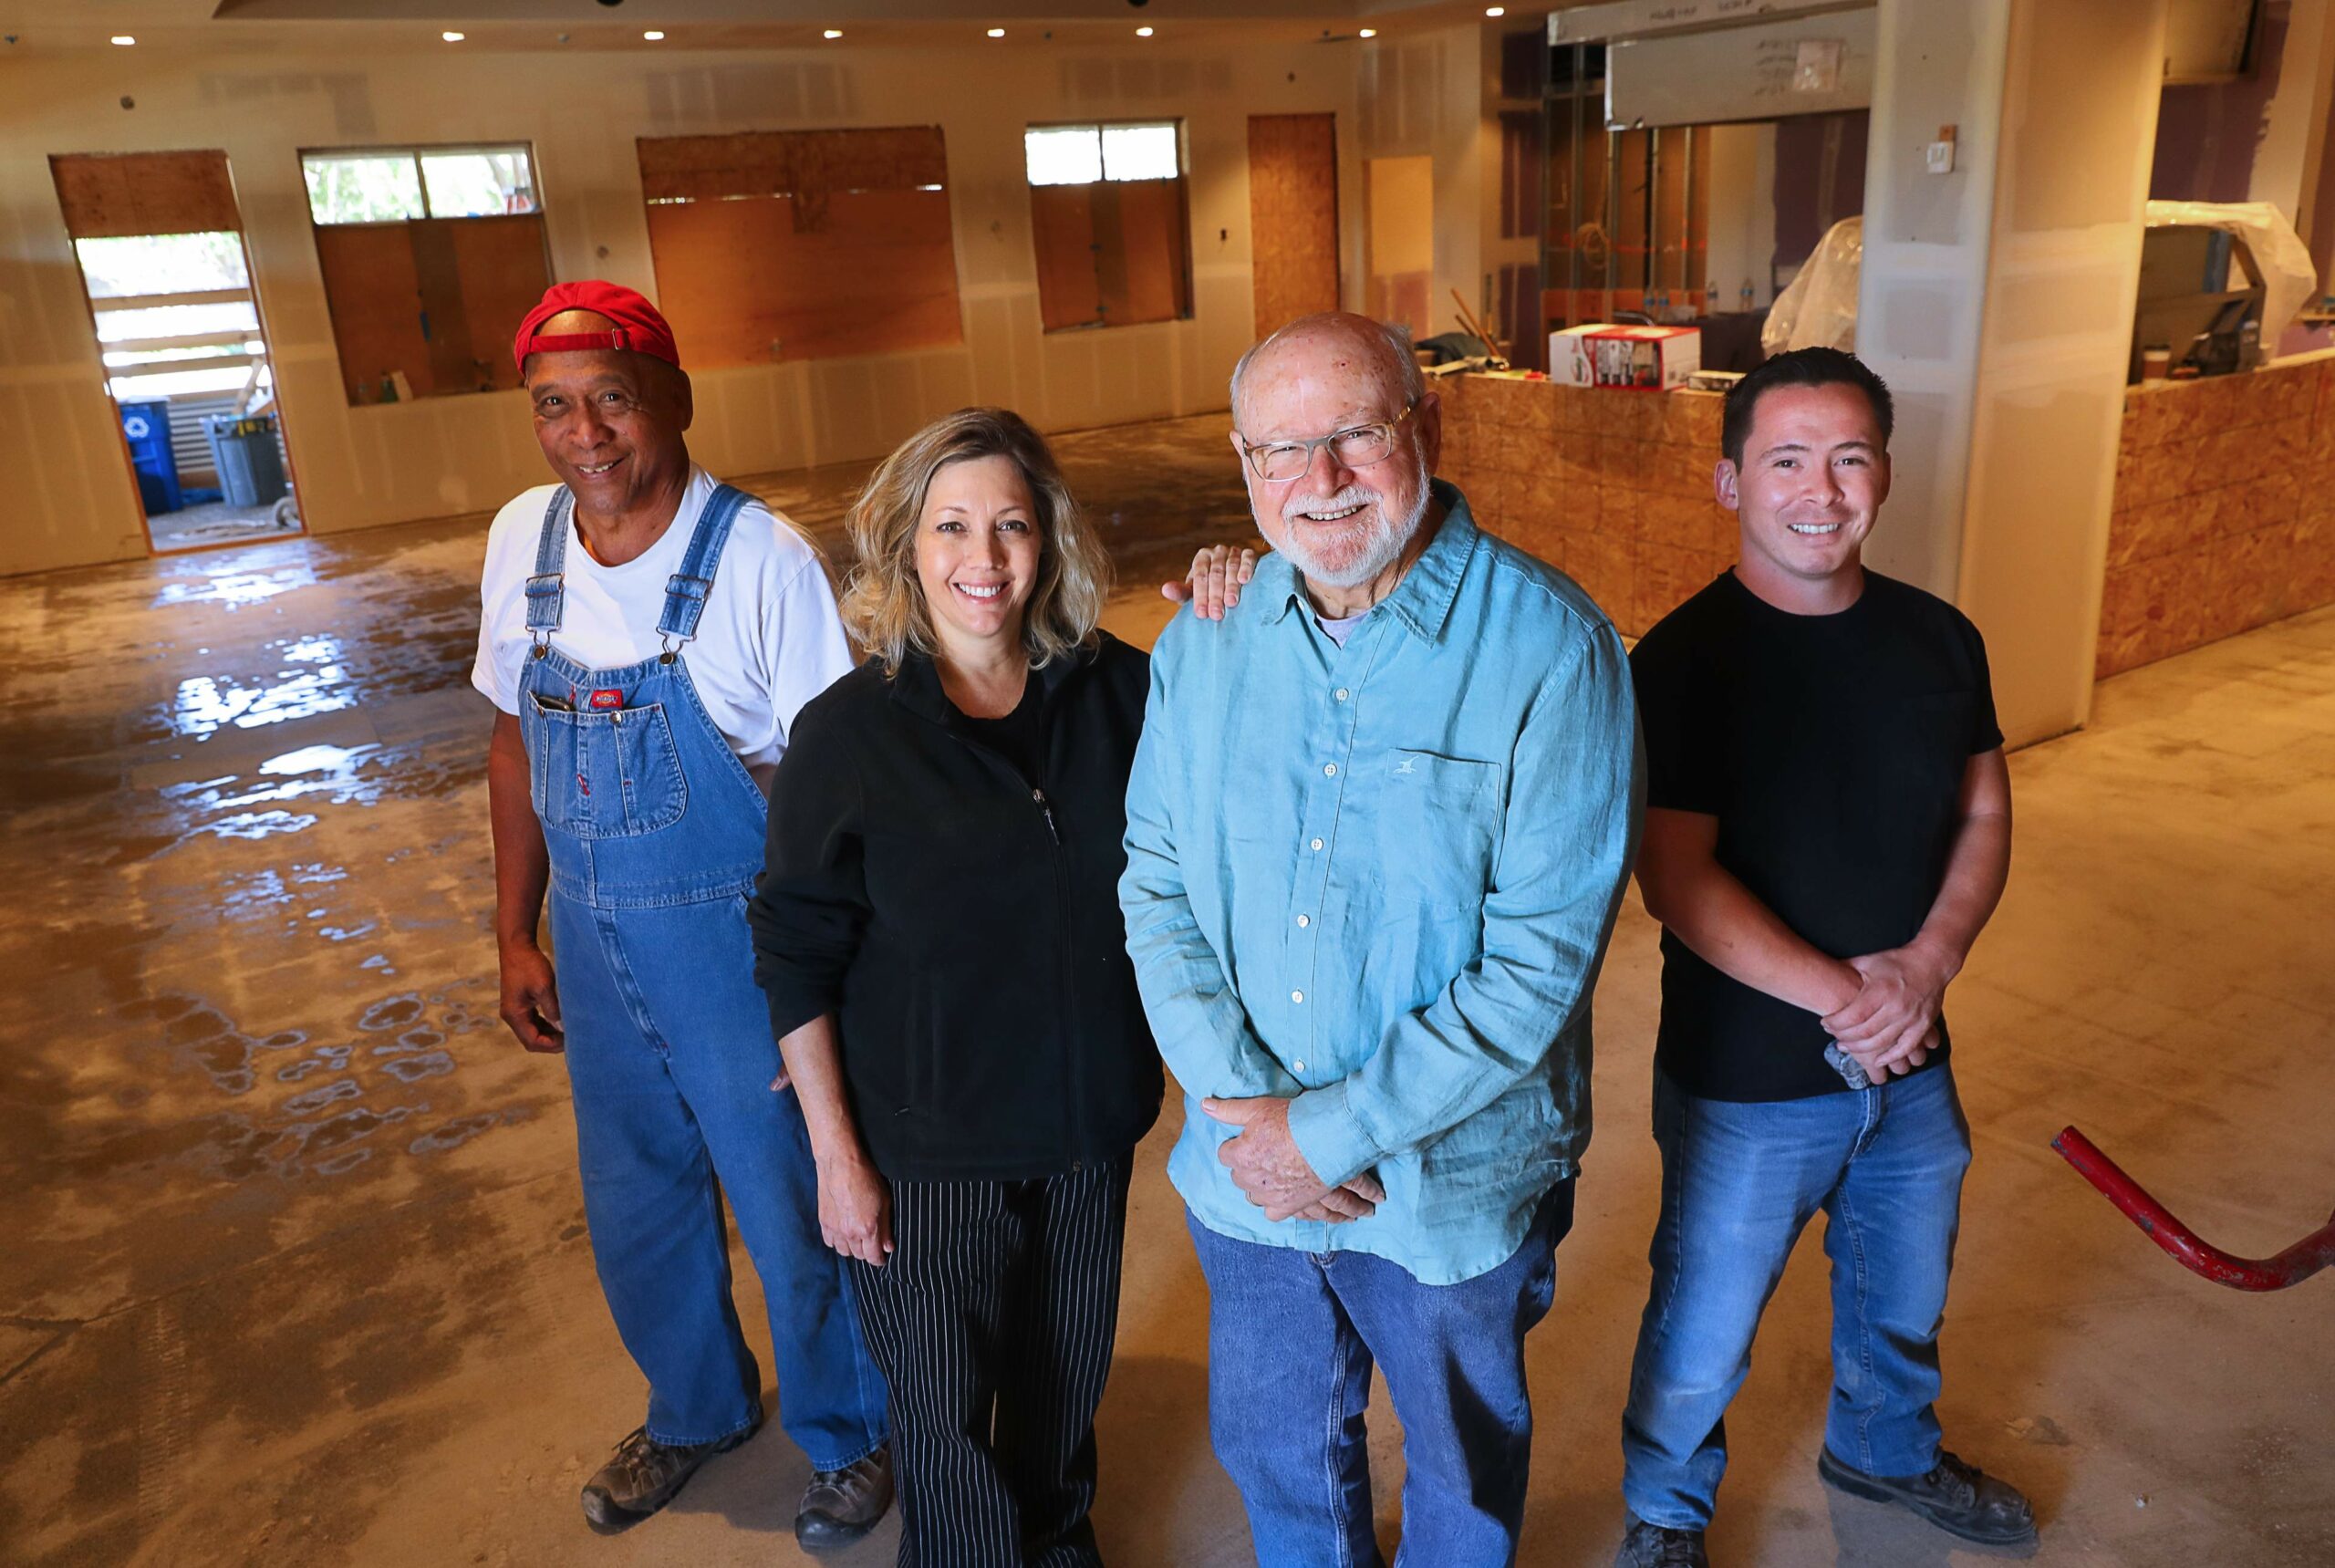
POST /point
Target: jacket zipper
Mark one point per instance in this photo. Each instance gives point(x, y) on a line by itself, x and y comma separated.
point(1075, 1133)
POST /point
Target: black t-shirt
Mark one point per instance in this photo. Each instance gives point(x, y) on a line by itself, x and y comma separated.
point(1020, 737)
point(1831, 749)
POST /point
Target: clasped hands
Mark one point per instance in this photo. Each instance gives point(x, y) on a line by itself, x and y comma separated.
point(1268, 1169)
point(1890, 1024)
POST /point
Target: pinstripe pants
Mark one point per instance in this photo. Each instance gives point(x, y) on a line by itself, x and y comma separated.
point(993, 1321)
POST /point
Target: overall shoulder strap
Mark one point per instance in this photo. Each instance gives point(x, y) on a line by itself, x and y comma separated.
point(685, 591)
point(545, 588)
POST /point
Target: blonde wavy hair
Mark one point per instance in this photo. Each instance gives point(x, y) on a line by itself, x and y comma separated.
point(883, 604)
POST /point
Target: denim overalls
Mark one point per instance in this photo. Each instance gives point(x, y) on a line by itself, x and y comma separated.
point(655, 831)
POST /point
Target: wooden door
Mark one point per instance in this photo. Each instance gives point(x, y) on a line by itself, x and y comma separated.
point(1293, 215)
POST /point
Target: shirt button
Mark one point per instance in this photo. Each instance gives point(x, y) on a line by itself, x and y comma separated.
point(1330, 769)
point(1297, 996)
point(1317, 845)
point(1342, 694)
point(1304, 922)
point(1297, 1066)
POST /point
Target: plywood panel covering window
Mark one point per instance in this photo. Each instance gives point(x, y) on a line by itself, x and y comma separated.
point(115, 196)
point(1109, 223)
point(431, 256)
point(1293, 215)
point(804, 244)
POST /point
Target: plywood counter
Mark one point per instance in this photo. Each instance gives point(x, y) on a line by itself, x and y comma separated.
point(2225, 514)
point(1611, 486)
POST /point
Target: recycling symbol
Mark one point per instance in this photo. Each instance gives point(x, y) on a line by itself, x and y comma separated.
point(135, 427)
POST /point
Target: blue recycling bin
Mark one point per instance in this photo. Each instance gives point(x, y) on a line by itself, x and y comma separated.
point(147, 427)
point(250, 463)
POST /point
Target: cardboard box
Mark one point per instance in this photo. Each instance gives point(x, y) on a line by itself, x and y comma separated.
point(1647, 359)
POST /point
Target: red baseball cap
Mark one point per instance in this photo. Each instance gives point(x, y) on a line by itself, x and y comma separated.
point(640, 326)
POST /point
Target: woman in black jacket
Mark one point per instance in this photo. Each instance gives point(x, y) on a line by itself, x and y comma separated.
point(939, 936)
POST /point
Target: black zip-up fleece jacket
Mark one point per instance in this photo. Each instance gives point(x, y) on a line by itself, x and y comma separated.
point(964, 929)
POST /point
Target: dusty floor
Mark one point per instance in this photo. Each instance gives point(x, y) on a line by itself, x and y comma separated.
point(216, 522)
point(296, 1272)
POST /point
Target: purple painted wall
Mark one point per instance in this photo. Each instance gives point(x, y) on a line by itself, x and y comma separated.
point(2207, 135)
point(1806, 204)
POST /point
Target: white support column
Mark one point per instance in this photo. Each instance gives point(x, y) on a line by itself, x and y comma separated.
point(1996, 301)
point(1923, 283)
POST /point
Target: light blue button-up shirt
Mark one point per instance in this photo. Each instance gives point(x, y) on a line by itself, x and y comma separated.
point(1379, 879)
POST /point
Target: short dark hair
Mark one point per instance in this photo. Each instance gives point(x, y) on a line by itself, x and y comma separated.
point(1800, 368)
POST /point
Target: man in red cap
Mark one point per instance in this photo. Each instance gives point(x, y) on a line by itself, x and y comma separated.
point(648, 634)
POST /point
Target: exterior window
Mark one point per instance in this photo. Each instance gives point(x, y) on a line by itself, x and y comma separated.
point(1110, 224)
point(174, 314)
point(431, 256)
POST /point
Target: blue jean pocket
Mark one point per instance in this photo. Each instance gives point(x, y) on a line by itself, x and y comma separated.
point(609, 774)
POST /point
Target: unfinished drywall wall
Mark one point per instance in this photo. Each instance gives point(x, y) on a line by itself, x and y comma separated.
point(1742, 213)
point(1424, 95)
point(1400, 267)
point(359, 467)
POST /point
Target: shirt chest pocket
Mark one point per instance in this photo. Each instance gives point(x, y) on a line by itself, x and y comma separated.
point(607, 774)
point(1439, 829)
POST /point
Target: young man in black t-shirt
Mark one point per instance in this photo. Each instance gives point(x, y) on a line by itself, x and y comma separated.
point(1828, 829)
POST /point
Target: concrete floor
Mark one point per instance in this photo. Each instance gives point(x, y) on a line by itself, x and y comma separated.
point(295, 1269)
point(212, 523)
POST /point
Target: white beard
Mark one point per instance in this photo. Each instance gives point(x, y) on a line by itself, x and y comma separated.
point(1377, 544)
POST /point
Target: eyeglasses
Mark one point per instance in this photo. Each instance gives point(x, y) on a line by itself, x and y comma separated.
point(1358, 446)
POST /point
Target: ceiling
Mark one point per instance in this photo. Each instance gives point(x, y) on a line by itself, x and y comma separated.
point(30, 27)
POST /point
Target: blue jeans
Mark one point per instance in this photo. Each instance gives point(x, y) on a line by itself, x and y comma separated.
point(1738, 1184)
point(670, 1056)
point(1291, 1338)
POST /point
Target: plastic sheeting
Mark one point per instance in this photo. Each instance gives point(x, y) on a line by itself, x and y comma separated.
point(1818, 308)
point(2288, 278)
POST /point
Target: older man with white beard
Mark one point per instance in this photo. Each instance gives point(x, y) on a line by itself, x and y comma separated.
point(1379, 824)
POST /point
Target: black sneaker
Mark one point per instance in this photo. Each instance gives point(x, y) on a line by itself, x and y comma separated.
point(643, 1475)
point(1656, 1546)
point(840, 1506)
point(1960, 1499)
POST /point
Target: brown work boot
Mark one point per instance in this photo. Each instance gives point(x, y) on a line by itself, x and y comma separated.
point(643, 1475)
point(840, 1506)
point(1959, 1499)
point(1658, 1546)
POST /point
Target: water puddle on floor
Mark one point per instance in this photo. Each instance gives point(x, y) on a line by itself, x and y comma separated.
point(233, 588)
point(205, 704)
point(232, 807)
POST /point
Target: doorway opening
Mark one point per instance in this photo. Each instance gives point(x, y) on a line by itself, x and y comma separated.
point(159, 245)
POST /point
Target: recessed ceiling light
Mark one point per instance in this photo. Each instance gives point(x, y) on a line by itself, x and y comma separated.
point(124, 39)
point(1368, 32)
point(1495, 10)
point(834, 32)
point(1143, 32)
point(997, 32)
point(452, 37)
point(653, 36)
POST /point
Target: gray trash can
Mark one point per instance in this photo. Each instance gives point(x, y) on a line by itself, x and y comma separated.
point(249, 463)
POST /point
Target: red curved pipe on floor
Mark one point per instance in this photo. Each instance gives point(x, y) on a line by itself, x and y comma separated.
point(2298, 1262)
